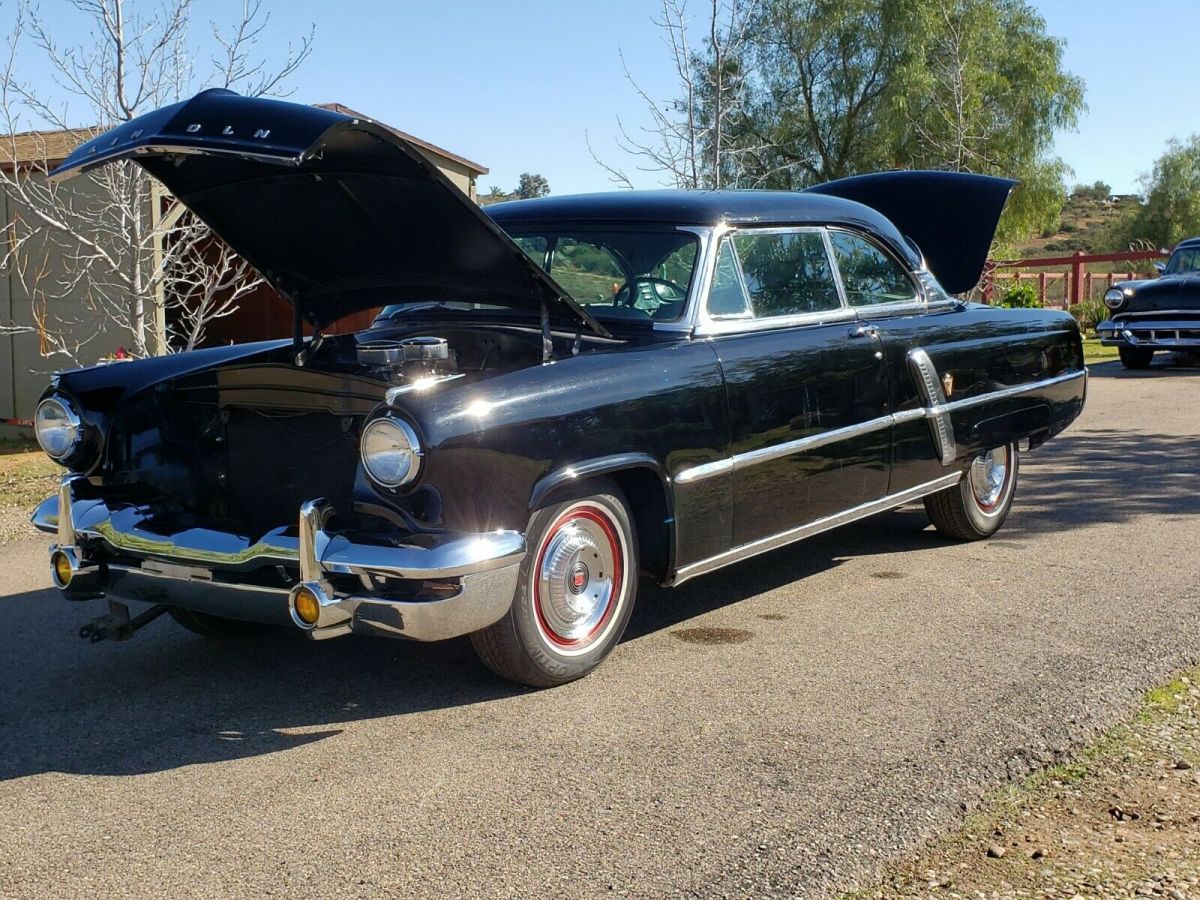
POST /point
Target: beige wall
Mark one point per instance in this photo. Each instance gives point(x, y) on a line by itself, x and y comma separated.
point(24, 371)
point(463, 178)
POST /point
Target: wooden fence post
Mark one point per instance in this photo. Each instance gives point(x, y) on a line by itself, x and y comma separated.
point(1076, 277)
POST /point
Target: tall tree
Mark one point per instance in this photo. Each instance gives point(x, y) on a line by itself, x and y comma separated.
point(825, 69)
point(982, 88)
point(124, 253)
point(1172, 208)
point(829, 88)
point(531, 185)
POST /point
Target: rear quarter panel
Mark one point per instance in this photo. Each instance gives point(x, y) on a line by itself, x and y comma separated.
point(984, 350)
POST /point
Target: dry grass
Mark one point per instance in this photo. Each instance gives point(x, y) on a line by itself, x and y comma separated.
point(27, 476)
point(1122, 821)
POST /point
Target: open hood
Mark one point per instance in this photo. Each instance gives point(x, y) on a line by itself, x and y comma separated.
point(339, 214)
point(952, 216)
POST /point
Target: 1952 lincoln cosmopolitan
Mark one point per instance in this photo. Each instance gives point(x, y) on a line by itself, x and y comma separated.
point(558, 397)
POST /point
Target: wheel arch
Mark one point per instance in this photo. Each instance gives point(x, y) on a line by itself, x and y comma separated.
point(647, 489)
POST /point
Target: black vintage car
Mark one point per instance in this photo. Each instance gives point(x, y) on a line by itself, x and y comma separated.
point(559, 396)
point(1157, 314)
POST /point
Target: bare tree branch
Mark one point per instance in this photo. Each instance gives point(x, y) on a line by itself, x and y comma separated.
point(100, 256)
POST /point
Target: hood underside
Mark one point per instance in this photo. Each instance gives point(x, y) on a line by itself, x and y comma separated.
point(338, 214)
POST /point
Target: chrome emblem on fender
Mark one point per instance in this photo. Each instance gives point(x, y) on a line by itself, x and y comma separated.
point(948, 384)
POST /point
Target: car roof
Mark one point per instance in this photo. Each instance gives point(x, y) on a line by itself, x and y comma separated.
point(700, 208)
point(1188, 242)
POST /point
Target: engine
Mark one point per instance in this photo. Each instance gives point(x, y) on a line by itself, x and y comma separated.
point(407, 359)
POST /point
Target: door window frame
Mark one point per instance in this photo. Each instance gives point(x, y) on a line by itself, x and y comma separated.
point(710, 325)
point(919, 304)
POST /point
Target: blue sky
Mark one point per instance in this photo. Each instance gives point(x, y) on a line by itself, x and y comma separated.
point(516, 85)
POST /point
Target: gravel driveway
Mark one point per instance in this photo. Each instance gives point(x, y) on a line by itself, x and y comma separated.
point(888, 678)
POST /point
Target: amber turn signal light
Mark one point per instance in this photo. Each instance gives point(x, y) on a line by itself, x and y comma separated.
point(62, 569)
point(306, 606)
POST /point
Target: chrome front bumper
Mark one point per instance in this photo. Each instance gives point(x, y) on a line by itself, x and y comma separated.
point(426, 587)
point(1153, 335)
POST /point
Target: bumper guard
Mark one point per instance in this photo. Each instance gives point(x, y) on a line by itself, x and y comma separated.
point(452, 584)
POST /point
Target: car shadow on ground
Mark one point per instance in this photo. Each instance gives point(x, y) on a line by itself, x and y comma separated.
point(1183, 365)
point(168, 699)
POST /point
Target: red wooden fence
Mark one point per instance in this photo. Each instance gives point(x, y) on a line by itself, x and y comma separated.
point(1077, 282)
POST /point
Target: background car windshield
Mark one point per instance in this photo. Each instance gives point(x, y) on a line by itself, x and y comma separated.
point(629, 275)
point(1186, 260)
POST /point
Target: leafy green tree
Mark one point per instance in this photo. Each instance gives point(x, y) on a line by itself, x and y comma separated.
point(1172, 208)
point(531, 186)
point(982, 88)
point(824, 70)
point(1097, 192)
point(829, 88)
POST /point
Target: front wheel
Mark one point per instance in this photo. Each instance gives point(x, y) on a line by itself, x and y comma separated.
point(1135, 357)
point(977, 506)
point(575, 592)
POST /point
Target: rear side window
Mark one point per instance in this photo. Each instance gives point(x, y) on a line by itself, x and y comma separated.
point(869, 275)
point(781, 274)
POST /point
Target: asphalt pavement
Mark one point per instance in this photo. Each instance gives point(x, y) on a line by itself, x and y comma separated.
point(780, 727)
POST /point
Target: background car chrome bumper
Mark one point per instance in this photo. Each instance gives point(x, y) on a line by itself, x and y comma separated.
point(451, 584)
point(1158, 334)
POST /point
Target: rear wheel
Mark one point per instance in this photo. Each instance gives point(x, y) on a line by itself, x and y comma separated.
point(575, 593)
point(1135, 357)
point(977, 506)
point(212, 626)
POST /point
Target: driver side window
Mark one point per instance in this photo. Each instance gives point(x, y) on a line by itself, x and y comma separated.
point(588, 271)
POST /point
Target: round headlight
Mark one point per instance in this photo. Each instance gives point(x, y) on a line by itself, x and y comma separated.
point(391, 452)
point(1114, 298)
point(57, 427)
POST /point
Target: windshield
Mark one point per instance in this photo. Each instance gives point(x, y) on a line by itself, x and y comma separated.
point(640, 275)
point(1185, 260)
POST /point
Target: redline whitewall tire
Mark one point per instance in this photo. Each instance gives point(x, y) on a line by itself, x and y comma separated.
point(978, 505)
point(575, 593)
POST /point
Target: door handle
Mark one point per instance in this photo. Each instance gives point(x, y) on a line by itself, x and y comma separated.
point(863, 331)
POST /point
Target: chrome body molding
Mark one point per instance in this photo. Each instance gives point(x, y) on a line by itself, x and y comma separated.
point(937, 411)
point(929, 386)
point(470, 568)
point(772, 542)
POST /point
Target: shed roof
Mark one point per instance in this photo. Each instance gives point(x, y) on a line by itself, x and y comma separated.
point(404, 135)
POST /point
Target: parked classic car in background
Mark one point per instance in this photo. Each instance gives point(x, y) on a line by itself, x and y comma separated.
point(1156, 314)
point(558, 397)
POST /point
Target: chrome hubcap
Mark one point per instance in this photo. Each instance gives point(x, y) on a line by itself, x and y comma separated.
point(578, 577)
point(989, 475)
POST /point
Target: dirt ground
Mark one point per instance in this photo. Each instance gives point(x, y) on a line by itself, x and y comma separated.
point(1123, 821)
point(27, 477)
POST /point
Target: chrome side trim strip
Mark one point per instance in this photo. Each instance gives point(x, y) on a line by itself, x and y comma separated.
point(1004, 393)
point(772, 542)
point(705, 470)
point(777, 451)
point(930, 387)
point(936, 412)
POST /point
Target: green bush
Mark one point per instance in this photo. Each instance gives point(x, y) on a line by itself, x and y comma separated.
point(1089, 313)
point(1019, 295)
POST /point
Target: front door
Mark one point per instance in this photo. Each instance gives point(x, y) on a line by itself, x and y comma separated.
point(805, 379)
